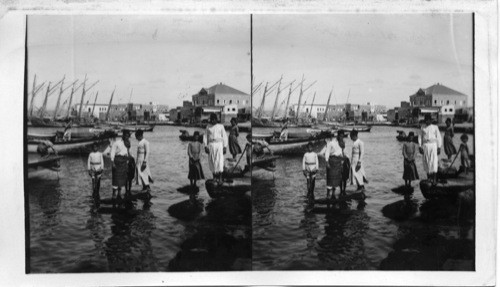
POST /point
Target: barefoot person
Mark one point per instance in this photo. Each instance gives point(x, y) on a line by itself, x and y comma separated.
point(310, 166)
point(409, 168)
point(234, 132)
point(430, 146)
point(449, 147)
point(119, 160)
point(95, 167)
point(357, 170)
point(143, 172)
point(215, 141)
point(334, 160)
point(464, 153)
point(194, 153)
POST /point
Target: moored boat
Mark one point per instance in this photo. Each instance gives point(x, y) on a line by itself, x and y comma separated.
point(402, 137)
point(451, 189)
point(74, 146)
point(295, 146)
point(235, 188)
point(185, 136)
point(134, 128)
point(358, 128)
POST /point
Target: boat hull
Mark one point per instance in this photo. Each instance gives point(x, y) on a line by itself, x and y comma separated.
point(294, 147)
point(72, 147)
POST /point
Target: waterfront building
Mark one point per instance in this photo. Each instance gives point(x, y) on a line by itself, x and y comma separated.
point(438, 95)
point(351, 112)
point(222, 95)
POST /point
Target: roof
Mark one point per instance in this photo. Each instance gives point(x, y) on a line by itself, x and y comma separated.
point(439, 89)
point(223, 89)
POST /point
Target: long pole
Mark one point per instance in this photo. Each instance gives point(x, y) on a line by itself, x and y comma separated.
point(109, 106)
point(42, 109)
point(81, 101)
point(276, 100)
point(95, 100)
point(259, 112)
point(300, 98)
point(32, 96)
point(312, 103)
point(325, 116)
point(59, 98)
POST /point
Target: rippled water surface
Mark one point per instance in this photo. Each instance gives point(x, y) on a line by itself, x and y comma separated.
point(287, 234)
point(68, 233)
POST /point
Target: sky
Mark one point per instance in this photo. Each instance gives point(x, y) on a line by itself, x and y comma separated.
point(381, 59)
point(163, 59)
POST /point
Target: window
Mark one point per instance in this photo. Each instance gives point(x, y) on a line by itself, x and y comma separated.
point(451, 110)
point(224, 102)
point(238, 101)
point(441, 102)
point(448, 102)
point(445, 110)
point(435, 102)
point(230, 101)
point(217, 101)
point(234, 110)
point(455, 102)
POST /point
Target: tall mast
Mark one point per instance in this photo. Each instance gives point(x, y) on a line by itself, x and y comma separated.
point(276, 100)
point(59, 99)
point(259, 112)
point(42, 109)
point(81, 101)
point(325, 116)
point(109, 106)
point(300, 98)
point(312, 103)
point(95, 100)
point(32, 96)
point(70, 99)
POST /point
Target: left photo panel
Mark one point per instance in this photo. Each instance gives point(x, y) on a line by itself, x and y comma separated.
point(136, 151)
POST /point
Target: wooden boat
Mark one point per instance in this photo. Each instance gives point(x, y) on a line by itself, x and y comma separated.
point(402, 137)
point(74, 146)
point(235, 188)
point(41, 136)
point(359, 128)
point(294, 146)
point(134, 128)
point(451, 189)
point(51, 162)
point(185, 136)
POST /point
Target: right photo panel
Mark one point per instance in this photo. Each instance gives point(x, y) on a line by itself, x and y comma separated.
point(363, 142)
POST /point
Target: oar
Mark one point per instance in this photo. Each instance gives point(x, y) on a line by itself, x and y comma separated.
point(229, 180)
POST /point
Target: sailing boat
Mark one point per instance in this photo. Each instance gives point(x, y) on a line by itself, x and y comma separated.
point(350, 127)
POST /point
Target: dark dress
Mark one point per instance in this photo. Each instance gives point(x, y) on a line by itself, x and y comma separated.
point(410, 169)
point(449, 147)
point(195, 170)
point(234, 146)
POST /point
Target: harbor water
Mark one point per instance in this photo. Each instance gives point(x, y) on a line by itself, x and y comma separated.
point(69, 233)
point(290, 235)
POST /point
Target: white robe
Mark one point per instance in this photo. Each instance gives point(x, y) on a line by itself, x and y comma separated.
point(358, 151)
point(215, 138)
point(143, 151)
point(430, 141)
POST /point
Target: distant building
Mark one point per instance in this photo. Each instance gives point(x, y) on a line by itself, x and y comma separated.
point(221, 95)
point(341, 111)
point(438, 95)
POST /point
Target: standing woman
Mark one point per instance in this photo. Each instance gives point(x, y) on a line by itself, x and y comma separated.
point(234, 132)
point(143, 172)
point(357, 169)
point(119, 160)
point(449, 147)
point(430, 146)
point(215, 141)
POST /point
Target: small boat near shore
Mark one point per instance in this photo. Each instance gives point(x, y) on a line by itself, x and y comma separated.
point(74, 146)
point(358, 128)
point(402, 137)
point(294, 146)
point(134, 128)
point(234, 188)
point(451, 189)
point(185, 136)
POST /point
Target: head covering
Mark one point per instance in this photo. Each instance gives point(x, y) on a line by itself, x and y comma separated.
point(411, 134)
point(196, 133)
point(139, 133)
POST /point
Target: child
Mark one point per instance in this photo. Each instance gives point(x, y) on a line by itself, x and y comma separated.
point(234, 146)
point(310, 166)
point(409, 152)
point(464, 152)
point(95, 165)
point(194, 151)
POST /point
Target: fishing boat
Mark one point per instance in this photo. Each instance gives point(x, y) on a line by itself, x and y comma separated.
point(134, 128)
point(294, 146)
point(402, 137)
point(185, 136)
point(451, 189)
point(358, 128)
point(75, 146)
point(43, 167)
point(233, 188)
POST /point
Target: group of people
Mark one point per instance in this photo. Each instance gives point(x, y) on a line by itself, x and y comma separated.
point(338, 166)
point(216, 143)
point(429, 145)
point(124, 166)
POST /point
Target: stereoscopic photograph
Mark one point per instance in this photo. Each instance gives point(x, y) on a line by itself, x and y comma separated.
point(135, 143)
point(363, 135)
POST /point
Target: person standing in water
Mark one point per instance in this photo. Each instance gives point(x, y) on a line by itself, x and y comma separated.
point(464, 153)
point(194, 152)
point(95, 167)
point(143, 172)
point(215, 141)
point(409, 168)
point(234, 132)
point(449, 147)
point(310, 166)
point(430, 146)
point(357, 169)
point(334, 160)
point(119, 160)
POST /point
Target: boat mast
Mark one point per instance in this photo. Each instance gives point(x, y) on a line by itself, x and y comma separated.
point(300, 98)
point(277, 97)
point(95, 100)
point(109, 106)
point(42, 109)
point(81, 101)
point(312, 103)
point(325, 116)
point(288, 99)
point(59, 98)
point(73, 90)
point(259, 112)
